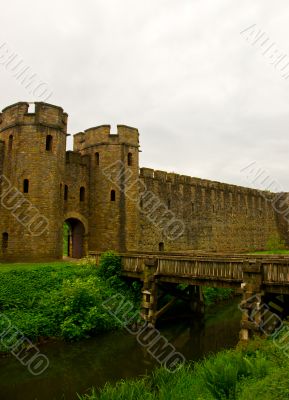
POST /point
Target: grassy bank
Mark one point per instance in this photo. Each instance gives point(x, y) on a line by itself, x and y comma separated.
point(261, 371)
point(276, 251)
point(62, 300)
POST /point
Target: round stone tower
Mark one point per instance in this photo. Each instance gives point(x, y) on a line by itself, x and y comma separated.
point(33, 145)
point(114, 186)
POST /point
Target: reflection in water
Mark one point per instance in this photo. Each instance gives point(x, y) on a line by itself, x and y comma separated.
point(113, 356)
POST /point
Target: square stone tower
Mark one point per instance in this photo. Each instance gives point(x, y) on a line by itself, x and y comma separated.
point(114, 186)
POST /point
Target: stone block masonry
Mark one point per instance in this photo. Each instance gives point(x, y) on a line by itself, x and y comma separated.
point(216, 216)
point(73, 187)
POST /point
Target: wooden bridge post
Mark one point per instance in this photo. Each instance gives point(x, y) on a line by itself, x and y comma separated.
point(149, 292)
point(197, 304)
point(251, 304)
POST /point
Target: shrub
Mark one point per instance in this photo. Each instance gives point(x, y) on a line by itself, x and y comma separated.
point(109, 265)
point(109, 270)
point(82, 309)
point(65, 300)
point(214, 295)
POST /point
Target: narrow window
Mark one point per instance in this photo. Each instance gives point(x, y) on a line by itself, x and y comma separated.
point(161, 246)
point(65, 192)
point(10, 144)
point(112, 195)
point(169, 204)
point(96, 158)
point(129, 159)
point(25, 186)
point(82, 194)
point(193, 207)
point(4, 241)
point(49, 140)
point(60, 190)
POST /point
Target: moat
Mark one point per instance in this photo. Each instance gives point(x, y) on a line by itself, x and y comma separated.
point(75, 367)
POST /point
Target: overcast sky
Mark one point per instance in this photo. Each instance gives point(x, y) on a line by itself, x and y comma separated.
point(204, 98)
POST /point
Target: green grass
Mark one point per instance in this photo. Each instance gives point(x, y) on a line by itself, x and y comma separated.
point(61, 299)
point(64, 298)
point(36, 266)
point(280, 251)
point(258, 372)
point(274, 245)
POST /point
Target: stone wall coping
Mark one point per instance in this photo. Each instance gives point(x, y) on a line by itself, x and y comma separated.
point(172, 177)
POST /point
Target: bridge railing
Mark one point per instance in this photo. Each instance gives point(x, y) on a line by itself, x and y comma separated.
point(276, 272)
point(201, 268)
point(273, 268)
point(134, 264)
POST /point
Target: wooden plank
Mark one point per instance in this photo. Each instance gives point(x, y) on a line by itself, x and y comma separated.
point(211, 266)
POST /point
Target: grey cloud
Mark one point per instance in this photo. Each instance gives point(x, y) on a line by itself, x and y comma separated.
point(206, 102)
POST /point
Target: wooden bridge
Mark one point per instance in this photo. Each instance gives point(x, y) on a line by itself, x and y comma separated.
point(260, 278)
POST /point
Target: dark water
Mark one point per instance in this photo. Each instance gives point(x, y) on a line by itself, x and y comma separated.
point(74, 368)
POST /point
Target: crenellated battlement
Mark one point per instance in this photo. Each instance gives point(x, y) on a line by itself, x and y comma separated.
point(111, 203)
point(173, 178)
point(101, 135)
point(44, 114)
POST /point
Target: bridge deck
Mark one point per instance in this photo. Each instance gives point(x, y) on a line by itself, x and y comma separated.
point(257, 275)
point(212, 270)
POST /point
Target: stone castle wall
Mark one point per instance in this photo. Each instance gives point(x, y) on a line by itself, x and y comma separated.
point(216, 216)
point(76, 177)
point(146, 210)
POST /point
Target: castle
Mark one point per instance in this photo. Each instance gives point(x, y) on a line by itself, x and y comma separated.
point(107, 201)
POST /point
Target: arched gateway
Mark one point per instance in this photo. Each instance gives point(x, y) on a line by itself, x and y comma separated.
point(74, 238)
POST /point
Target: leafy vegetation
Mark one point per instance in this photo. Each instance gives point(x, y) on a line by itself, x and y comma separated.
point(66, 233)
point(215, 295)
point(212, 295)
point(63, 299)
point(274, 245)
point(259, 371)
